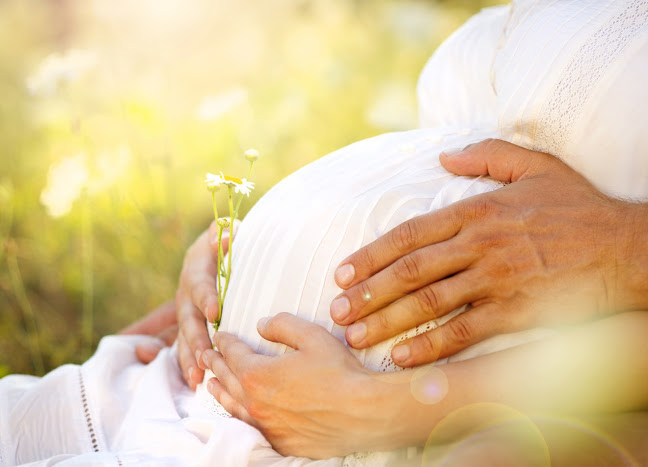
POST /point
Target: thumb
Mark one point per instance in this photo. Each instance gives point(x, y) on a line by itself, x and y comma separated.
point(502, 161)
point(291, 330)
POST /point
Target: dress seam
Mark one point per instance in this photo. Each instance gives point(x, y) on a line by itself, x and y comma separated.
point(85, 407)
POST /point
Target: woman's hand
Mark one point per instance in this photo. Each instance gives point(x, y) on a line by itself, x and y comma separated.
point(547, 249)
point(160, 323)
point(196, 300)
point(317, 401)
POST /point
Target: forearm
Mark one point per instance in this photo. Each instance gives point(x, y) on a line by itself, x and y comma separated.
point(632, 258)
point(596, 368)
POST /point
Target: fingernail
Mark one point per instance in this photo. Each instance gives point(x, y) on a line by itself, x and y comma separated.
point(344, 274)
point(205, 359)
point(197, 354)
point(190, 373)
point(340, 308)
point(356, 333)
point(262, 323)
point(451, 152)
point(210, 386)
point(400, 353)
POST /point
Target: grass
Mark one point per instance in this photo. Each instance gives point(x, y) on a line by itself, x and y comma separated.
point(101, 179)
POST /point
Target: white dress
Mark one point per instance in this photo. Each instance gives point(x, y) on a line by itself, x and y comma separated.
point(567, 77)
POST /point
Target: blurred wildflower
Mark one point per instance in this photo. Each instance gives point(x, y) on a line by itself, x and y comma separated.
point(57, 69)
point(252, 155)
point(223, 222)
point(240, 185)
point(214, 107)
point(234, 185)
point(213, 182)
point(65, 182)
point(111, 165)
point(230, 181)
point(245, 187)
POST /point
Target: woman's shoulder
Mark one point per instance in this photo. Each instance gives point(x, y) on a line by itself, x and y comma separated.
point(455, 85)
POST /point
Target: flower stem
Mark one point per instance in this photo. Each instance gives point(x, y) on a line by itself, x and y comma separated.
point(221, 294)
point(229, 254)
point(214, 205)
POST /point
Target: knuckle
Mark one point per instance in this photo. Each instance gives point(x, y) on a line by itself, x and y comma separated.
point(460, 330)
point(256, 410)
point(384, 320)
point(429, 302)
point(404, 236)
point(364, 290)
point(483, 206)
point(279, 320)
point(366, 258)
point(426, 345)
point(491, 146)
point(247, 380)
point(407, 269)
point(250, 382)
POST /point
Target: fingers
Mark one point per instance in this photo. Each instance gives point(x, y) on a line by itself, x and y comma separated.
point(292, 331)
point(193, 375)
point(155, 322)
point(204, 295)
point(428, 303)
point(235, 352)
point(234, 407)
point(147, 350)
point(402, 240)
point(226, 388)
point(501, 160)
point(457, 334)
point(169, 335)
point(407, 274)
point(193, 331)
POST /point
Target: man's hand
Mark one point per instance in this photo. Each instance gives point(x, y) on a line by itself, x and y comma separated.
point(317, 401)
point(548, 249)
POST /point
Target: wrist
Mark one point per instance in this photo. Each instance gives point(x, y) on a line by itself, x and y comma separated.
point(412, 402)
point(632, 265)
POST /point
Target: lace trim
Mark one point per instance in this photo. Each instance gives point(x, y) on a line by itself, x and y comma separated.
point(92, 434)
point(562, 110)
point(387, 364)
point(209, 402)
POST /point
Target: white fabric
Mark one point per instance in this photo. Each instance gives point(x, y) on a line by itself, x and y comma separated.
point(564, 76)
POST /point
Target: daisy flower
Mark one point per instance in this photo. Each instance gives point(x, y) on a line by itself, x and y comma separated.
point(213, 182)
point(245, 187)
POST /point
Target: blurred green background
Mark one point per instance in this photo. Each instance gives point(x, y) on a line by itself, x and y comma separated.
point(111, 112)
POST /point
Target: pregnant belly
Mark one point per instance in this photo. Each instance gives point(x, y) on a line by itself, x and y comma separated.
point(289, 245)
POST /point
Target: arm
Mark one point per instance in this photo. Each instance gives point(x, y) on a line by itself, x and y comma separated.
point(319, 402)
point(593, 369)
point(546, 250)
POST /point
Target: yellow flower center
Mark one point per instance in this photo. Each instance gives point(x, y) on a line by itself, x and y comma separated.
point(238, 181)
